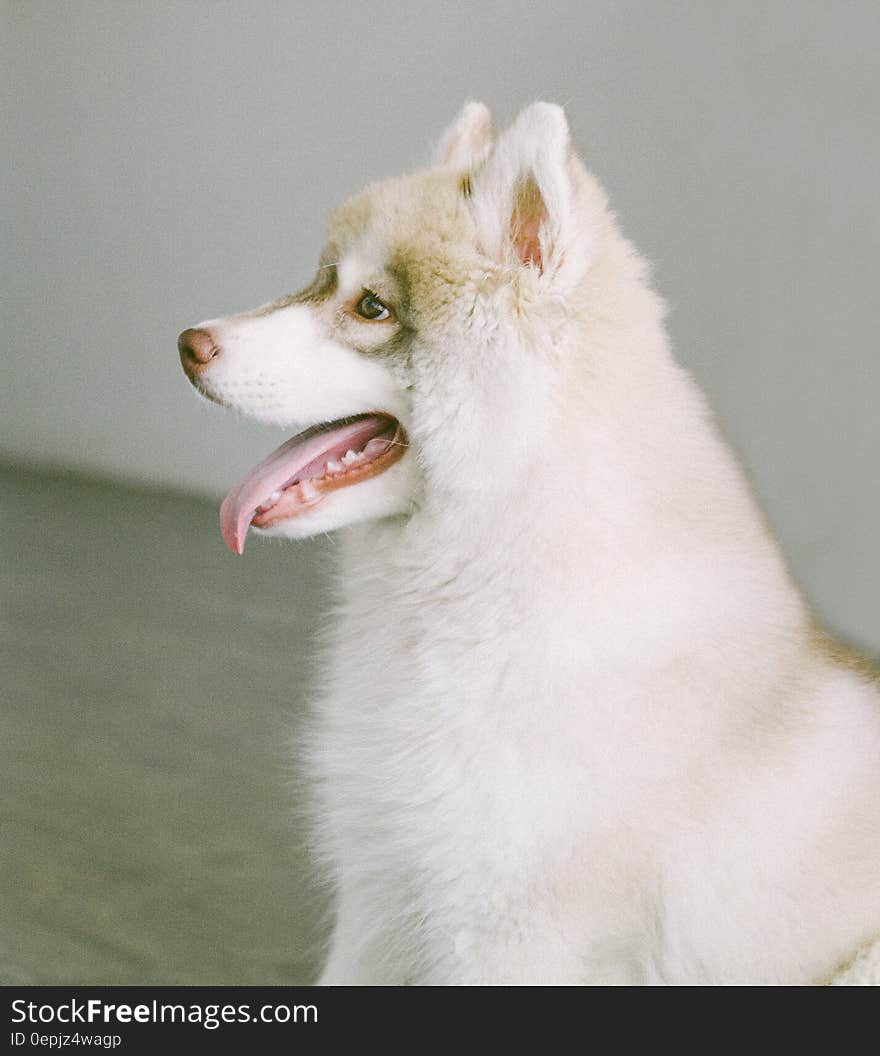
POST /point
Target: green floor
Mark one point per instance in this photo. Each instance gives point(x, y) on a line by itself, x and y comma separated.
point(151, 685)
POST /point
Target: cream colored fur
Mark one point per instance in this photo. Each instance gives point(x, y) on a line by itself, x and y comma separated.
point(574, 723)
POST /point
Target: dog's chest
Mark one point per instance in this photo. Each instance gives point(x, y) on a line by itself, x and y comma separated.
point(442, 777)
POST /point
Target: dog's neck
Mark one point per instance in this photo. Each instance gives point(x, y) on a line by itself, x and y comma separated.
point(634, 508)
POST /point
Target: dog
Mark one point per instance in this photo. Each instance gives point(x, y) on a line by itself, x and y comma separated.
point(576, 724)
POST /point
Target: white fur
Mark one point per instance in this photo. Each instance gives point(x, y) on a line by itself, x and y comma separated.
point(574, 726)
point(467, 139)
point(279, 368)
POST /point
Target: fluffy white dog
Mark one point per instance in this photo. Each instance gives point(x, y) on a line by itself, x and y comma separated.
point(576, 723)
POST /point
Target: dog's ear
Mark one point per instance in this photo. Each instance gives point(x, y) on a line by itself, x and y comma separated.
point(524, 196)
point(467, 139)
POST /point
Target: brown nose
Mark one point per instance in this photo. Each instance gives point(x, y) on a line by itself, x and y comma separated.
point(196, 348)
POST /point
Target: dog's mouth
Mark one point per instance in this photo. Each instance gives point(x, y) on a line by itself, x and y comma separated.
point(297, 476)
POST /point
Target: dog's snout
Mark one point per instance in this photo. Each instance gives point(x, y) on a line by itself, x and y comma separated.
point(197, 348)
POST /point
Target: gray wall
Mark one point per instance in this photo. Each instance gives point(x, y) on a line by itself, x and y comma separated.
point(173, 161)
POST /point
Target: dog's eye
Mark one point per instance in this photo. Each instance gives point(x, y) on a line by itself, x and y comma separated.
point(370, 307)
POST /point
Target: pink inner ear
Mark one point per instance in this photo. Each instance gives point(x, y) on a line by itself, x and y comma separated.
point(528, 244)
point(529, 212)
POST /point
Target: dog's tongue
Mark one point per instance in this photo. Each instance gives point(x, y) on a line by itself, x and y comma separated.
point(298, 458)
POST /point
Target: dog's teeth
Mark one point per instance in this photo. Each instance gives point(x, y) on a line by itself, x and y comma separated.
point(351, 456)
point(307, 491)
point(275, 496)
point(334, 467)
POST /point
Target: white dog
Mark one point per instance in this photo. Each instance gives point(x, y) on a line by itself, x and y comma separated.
point(576, 724)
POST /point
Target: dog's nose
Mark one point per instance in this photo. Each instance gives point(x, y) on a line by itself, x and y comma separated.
point(197, 348)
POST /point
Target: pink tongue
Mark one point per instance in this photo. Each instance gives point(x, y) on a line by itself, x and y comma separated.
point(282, 467)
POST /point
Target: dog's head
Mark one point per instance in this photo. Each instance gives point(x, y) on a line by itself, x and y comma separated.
point(422, 360)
